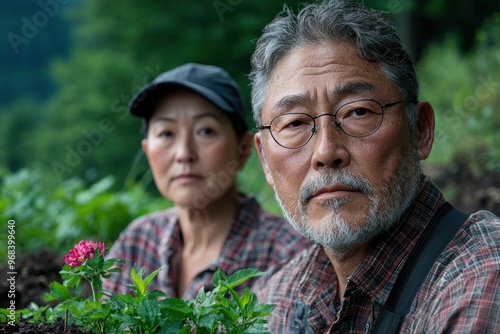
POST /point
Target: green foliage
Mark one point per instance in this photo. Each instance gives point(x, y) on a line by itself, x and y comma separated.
point(251, 180)
point(219, 311)
point(148, 311)
point(464, 91)
point(58, 219)
point(112, 64)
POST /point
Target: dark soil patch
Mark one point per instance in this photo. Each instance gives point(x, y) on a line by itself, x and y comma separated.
point(35, 271)
point(467, 190)
point(23, 327)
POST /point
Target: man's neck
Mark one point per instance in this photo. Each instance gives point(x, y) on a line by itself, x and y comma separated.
point(346, 263)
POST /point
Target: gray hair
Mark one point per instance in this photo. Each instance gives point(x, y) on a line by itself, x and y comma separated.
point(369, 31)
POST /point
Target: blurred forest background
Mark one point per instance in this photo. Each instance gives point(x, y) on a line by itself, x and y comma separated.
point(70, 159)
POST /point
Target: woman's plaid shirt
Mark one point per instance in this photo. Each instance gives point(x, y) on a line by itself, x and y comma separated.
point(257, 239)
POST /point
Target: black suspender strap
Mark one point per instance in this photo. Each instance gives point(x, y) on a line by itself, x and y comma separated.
point(435, 237)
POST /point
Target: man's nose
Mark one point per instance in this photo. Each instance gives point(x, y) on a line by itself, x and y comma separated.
point(329, 149)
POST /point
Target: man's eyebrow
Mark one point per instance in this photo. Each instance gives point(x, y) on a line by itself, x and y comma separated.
point(290, 101)
point(352, 88)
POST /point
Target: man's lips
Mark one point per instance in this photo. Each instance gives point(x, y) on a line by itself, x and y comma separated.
point(333, 191)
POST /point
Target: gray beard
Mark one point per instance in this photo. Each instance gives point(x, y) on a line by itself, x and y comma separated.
point(385, 210)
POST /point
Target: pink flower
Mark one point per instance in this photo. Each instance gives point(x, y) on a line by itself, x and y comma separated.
point(83, 250)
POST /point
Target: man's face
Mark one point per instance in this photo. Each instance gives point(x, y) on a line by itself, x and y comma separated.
point(338, 190)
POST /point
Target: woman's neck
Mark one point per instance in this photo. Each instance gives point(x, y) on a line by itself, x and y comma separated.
point(204, 233)
point(205, 228)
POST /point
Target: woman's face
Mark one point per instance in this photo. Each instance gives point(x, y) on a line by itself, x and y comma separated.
point(193, 150)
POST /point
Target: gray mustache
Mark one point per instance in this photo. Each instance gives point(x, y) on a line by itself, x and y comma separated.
point(325, 179)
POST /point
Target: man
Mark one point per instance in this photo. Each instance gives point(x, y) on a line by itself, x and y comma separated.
point(342, 133)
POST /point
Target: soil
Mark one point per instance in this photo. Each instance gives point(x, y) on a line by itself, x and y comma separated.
point(465, 189)
point(24, 327)
point(35, 271)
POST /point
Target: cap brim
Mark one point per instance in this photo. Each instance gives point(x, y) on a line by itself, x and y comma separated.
point(144, 101)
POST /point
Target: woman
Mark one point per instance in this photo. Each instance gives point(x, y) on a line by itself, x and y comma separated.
point(196, 140)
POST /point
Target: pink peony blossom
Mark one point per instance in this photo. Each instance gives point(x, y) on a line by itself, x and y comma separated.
point(83, 250)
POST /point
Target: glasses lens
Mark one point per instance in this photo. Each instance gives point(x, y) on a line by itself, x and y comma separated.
point(360, 118)
point(292, 130)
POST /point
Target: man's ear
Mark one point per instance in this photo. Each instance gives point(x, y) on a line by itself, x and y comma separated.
point(260, 151)
point(424, 132)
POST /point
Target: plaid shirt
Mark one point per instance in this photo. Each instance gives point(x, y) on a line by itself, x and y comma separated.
point(257, 239)
point(461, 294)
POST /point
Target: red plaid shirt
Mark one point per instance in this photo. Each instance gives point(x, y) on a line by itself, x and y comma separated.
point(257, 240)
point(461, 294)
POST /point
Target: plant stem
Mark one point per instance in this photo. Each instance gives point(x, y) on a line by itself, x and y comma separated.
point(93, 291)
point(65, 319)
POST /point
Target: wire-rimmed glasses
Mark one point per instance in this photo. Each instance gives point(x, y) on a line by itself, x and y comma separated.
point(357, 119)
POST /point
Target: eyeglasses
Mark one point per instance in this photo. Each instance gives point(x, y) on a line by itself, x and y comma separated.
point(357, 119)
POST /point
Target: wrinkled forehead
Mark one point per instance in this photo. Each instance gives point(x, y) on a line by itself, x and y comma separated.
point(332, 71)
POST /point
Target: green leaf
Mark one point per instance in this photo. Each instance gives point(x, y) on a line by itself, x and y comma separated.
point(117, 302)
point(178, 308)
point(173, 327)
point(73, 281)
point(157, 294)
point(150, 277)
point(218, 277)
point(262, 310)
point(138, 283)
point(208, 324)
point(108, 263)
point(228, 313)
point(149, 312)
point(57, 292)
point(242, 275)
point(75, 309)
point(243, 300)
point(201, 296)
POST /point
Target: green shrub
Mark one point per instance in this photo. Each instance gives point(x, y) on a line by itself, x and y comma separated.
point(465, 93)
point(143, 311)
point(72, 211)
